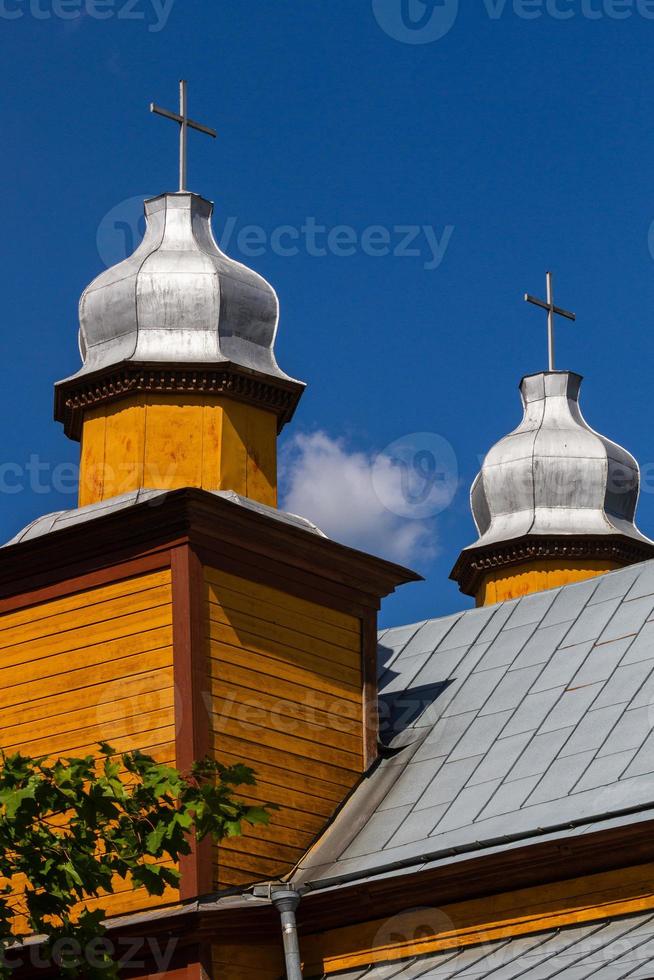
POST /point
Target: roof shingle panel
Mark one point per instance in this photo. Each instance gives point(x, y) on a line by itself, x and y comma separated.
point(540, 715)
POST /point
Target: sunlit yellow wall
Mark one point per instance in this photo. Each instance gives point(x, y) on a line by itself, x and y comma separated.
point(90, 667)
point(167, 442)
point(286, 699)
point(423, 930)
point(519, 580)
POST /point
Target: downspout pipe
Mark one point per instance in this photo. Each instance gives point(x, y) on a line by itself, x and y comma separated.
point(286, 901)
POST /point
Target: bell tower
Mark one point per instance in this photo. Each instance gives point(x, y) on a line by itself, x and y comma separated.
point(554, 502)
point(179, 386)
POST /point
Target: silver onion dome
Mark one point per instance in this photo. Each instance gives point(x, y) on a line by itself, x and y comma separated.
point(179, 317)
point(179, 299)
point(553, 489)
point(554, 475)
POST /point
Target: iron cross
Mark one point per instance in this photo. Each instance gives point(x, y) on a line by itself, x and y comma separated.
point(552, 311)
point(184, 125)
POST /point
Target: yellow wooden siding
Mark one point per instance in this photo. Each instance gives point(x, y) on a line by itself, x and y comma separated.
point(165, 442)
point(90, 667)
point(536, 576)
point(425, 930)
point(286, 699)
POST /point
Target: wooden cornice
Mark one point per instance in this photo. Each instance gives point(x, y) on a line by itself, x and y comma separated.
point(82, 393)
point(474, 564)
point(223, 532)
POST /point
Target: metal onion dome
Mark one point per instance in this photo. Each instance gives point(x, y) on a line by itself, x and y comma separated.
point(179, 298)
point(177, 316)
point(553, 487)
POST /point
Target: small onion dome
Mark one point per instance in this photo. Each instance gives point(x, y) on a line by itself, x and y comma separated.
point(553, 487)
point(178, 301)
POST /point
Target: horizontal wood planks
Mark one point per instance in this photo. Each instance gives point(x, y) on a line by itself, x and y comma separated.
point(251, 962)
point(428, 929)
point(285, 681)
point(93, 666)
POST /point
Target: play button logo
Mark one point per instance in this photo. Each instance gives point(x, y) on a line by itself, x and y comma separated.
point(416, 21)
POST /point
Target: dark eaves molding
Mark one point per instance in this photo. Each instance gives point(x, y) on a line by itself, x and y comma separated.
point(219, 529)
point(473, 565)
point(85, 392)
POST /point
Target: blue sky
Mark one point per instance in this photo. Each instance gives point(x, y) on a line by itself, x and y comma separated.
point(521, 139)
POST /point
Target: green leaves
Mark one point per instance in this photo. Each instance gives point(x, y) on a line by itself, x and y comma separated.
point(74, 828)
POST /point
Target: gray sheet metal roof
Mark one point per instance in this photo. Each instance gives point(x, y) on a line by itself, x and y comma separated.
point(522, 719)
point(602, 951)
point(62, 519)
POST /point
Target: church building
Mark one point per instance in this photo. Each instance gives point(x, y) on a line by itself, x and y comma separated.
point(471, 796)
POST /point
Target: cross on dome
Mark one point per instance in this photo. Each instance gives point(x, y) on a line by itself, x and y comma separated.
point(552, 311)
point(184, 125)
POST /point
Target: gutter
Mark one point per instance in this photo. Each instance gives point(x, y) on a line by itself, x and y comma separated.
point(286, 900)
point(473, 849)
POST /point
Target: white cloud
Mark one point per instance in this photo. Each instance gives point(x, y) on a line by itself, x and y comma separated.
point(333, 487)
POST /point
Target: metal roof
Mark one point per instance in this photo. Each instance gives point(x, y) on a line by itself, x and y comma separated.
point(63, 519)
point(179, 299)
point(505, 722)
point(621, 948)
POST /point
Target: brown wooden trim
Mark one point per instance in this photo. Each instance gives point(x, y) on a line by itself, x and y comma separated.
point(50, 564)
point(214, 523)
point(146, 947)
point(276, 575)
point(474, 564)
point(370, 688)
point(205, 964)
point(291, 547)
point(514, 913)
point(189, 972)
point(191, 673)
point(79, 394)
point(90, 580)
point(188, 963)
